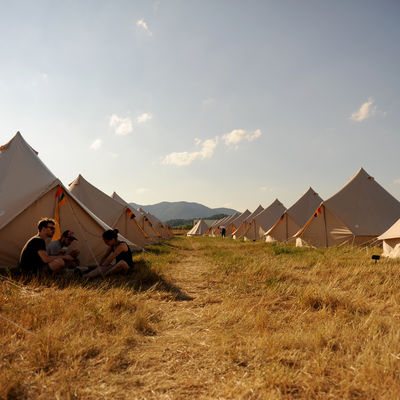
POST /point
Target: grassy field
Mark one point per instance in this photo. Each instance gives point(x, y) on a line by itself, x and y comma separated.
point(209, 318)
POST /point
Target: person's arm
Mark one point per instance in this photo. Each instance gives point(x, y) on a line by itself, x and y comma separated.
point(119, 249)
point(47, 259)
point(105, 256)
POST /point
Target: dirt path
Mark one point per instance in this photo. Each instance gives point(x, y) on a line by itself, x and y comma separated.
point(180, 362)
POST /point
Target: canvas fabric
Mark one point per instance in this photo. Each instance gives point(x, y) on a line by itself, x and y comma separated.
point(161, 228)
point(199, 229)
point(213, 227)
point(109, 210)
point(140, 219)
point(358, 213)
point(239, 232)
point(262, 222)
point(236, 223)
point(391, 241)
point(225, 223)
point(294, 217)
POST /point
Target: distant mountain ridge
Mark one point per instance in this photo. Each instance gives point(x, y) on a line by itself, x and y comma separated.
point(182, 210)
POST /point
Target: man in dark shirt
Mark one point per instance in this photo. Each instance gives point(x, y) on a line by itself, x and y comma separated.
point(34, 257)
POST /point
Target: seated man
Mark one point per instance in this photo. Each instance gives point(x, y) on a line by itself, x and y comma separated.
point(34, 257)
point(60, 247)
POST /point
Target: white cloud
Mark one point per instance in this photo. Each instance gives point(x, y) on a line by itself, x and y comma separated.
point(122, 126)
point(96, 144)
point(144, 117)
point(208, 102)
point(141, 23)
point(142, 190)
point(367, 110)
point(186, 158)
point(237, 135)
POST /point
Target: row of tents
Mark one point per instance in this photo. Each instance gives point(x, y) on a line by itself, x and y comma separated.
point(30, 191)
point(361, 212)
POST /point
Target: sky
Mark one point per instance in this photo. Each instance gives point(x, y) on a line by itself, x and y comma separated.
point(226, 103)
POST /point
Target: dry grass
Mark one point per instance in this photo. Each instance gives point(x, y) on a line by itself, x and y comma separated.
point(209, 318)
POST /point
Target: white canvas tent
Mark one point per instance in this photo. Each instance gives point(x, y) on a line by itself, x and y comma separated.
point(109, 210)
point(391, 241)
point(27, 193)
point(239, 232)
point(143, 222)
point(199, 229)
point(210, 230)
point(358, 213)
point(294, 217)
point(161, 228)
point(233, 225)
point(217, 229)
point(263, 221)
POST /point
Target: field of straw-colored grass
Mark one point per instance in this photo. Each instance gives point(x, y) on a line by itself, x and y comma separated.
point(209, 318)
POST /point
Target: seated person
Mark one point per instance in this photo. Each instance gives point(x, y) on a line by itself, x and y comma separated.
point(118, 251)
point(60, 247)
point(34, 257)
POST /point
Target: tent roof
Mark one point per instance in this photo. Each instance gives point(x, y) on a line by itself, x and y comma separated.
point(392, 233)
point(364, 206)
point(199, 229)
point(24, 178)
point(105, 207)
point(229, 219)
point(120, 200)
point(304, 207)
point(254, 213)
point(270, 214)
point(222, 220)
point(238, 220)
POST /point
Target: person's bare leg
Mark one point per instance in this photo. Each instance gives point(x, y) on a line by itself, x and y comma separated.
point(96, 272)
point(57, 265)
point(120, 266)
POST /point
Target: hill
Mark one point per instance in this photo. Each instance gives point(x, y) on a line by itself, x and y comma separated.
point(166, 211)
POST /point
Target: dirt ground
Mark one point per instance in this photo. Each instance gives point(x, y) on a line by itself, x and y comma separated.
point(178, 362)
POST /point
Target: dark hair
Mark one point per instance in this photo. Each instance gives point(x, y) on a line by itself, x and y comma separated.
point(43, 222)
point(110, 234)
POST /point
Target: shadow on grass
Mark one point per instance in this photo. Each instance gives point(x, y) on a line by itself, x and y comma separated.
point(141, 279)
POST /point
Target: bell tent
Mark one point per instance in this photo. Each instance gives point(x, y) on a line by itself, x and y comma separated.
point(358, 213)
point(199, 229)
point(28, 192)
point(294, 217)
point(217, 229)
point(239, 232)
point(391, 241)
point(109, 210)
point(236, 223)
point(263, 221)
point(143, 222)
point(161, 228)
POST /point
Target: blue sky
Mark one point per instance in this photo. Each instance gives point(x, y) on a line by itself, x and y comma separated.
point(221, 102)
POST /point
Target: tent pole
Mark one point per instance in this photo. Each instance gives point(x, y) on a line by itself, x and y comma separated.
point(326, 229)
